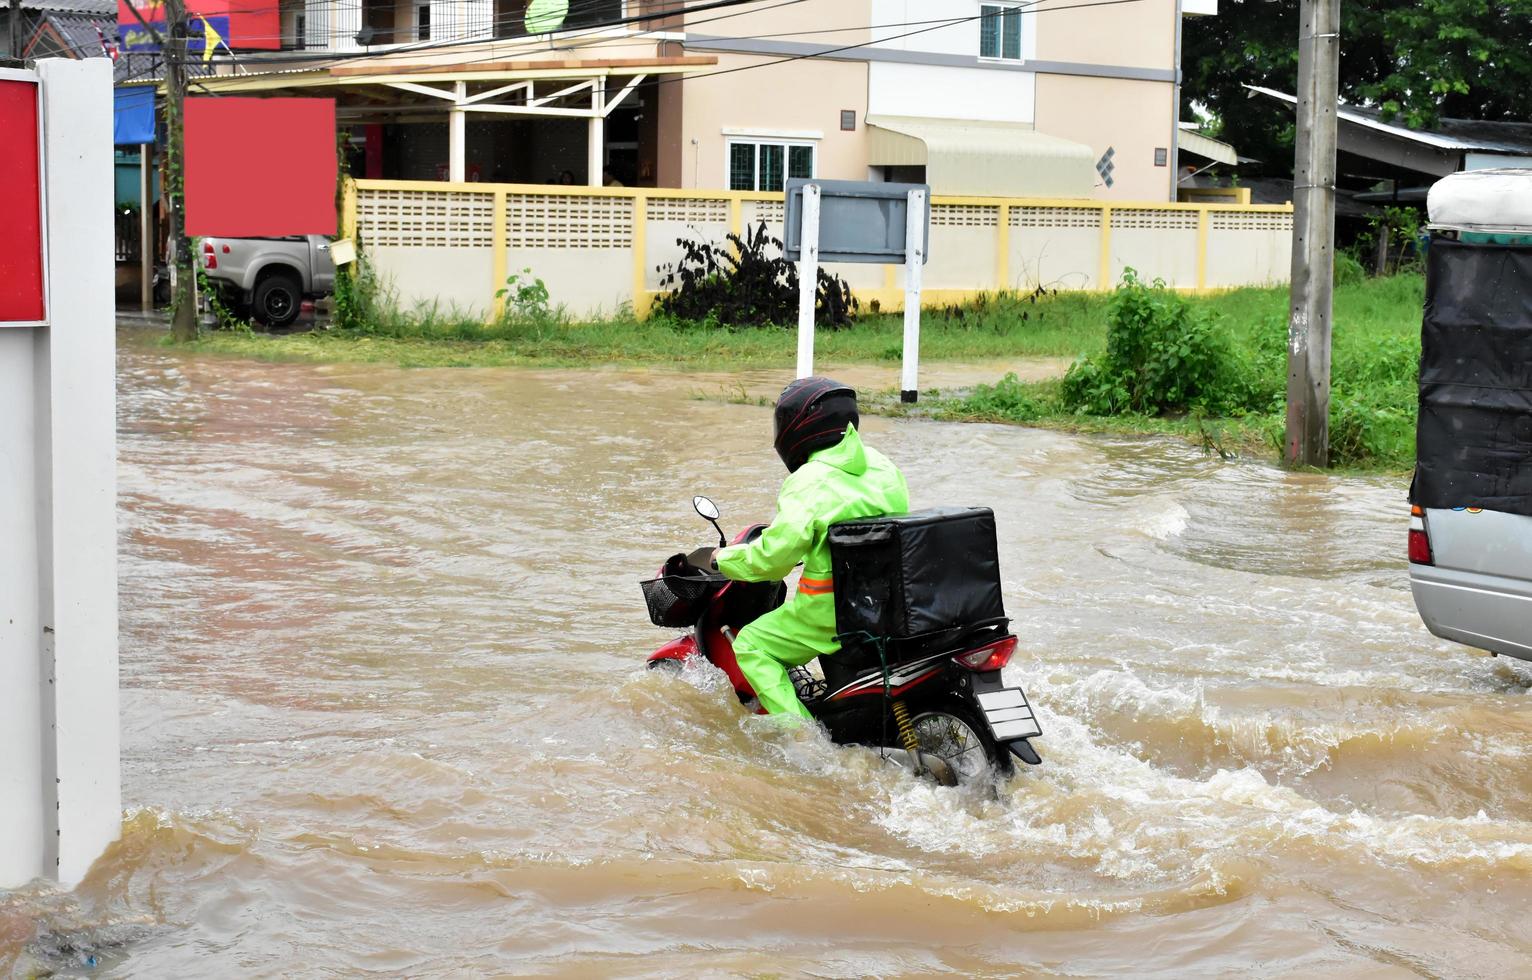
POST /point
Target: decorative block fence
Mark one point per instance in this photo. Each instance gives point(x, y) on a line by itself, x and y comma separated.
point(598, 249)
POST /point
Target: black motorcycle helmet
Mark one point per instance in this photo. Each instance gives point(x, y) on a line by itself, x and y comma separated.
point(812, 414)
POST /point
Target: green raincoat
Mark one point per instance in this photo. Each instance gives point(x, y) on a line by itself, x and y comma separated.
point(841, 483)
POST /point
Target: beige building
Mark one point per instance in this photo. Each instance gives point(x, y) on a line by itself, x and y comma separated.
point(1002, 98)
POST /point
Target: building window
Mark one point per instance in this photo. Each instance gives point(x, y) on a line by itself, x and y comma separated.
point(423, 21)
point(999, 32)
point(760, 166)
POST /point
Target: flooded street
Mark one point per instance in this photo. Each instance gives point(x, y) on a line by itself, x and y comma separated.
point(385, 709)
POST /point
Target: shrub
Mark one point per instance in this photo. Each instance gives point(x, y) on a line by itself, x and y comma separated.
point(1161, 355)
point(1009, 399)
point(745, 286)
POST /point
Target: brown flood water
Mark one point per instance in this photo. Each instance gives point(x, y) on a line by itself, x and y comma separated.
point(385, 711)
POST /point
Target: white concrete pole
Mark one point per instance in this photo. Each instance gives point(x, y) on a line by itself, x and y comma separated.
point(1313, 269)
point(457, 136)
point(808, 279)
point(595, 143)
point(60, 786)
point(914, 258)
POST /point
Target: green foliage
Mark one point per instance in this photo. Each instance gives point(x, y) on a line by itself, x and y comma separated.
point(359, 303)
point(1010, 400)
point(1348, 269)
point(224, 318)
point(1162, 355)
point(525, 296)
point(742, 284)
point(1418, 60)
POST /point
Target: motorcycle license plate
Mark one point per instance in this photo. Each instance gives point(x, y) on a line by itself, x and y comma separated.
point(1008, 713)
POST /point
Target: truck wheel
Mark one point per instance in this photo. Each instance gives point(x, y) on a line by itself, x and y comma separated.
point(277, 300)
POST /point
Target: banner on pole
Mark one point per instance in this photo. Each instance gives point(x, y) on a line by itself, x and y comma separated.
point(242, 183)
point(23, 295)
point(240, 24)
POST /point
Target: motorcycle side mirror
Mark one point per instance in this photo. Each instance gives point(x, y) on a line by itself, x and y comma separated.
point(709, 510)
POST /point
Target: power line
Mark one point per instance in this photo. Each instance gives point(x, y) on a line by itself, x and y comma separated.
point(288, 58)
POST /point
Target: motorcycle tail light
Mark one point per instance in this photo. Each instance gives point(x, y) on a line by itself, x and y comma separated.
point(991, 656)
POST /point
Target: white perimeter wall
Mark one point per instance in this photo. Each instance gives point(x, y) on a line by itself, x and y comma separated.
point(599, 250)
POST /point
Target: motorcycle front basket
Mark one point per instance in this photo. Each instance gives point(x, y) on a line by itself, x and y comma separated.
point(676, 600)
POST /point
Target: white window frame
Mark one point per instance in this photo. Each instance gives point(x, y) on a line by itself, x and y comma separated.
point(766, 140)
point(1021, 30)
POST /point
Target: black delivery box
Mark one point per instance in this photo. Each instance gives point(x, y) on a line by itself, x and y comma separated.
point(907, 576)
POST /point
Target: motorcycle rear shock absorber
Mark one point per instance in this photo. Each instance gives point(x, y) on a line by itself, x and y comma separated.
point(907, 732)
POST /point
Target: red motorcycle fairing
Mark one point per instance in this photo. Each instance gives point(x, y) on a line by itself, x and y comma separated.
point(680, 648)
point(720, 650)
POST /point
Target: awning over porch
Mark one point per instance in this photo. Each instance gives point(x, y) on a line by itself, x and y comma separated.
point(990, 159)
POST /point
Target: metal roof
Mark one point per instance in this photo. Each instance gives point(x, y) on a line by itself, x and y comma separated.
point(963, 156)
point(74, 6)
point(1460, 135)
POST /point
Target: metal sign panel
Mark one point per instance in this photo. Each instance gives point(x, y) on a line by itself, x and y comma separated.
point(23, 289)
point(859, 220)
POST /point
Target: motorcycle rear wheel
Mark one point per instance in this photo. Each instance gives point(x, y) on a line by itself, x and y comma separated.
point(950, 733)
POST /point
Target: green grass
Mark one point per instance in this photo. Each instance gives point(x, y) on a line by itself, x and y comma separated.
point(1006, 326)
point(1376, 352)
point(1375, 358)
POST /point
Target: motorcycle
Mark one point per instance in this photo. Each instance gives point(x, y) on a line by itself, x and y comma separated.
point(938, 707)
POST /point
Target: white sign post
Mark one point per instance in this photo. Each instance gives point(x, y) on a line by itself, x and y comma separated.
point(808, 280)
point(914, 258)
point(858, 221)
point(60, 785)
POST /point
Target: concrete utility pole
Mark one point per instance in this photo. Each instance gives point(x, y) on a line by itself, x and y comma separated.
point(183, 324)
point(1313, 275)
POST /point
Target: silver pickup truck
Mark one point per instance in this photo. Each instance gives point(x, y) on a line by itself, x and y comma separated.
point(267, 279)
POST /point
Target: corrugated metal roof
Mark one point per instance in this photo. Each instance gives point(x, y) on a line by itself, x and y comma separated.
point(74, 6)
point(1208, 148)
point(79, 31)
point(992, 159)
point(1465, 135)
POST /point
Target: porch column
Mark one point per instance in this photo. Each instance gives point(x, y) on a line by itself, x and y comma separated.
point(457, 136)
point(146, 248)
point(595, 160)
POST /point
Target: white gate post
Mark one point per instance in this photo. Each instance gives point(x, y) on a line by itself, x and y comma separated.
point(808, 279)
point(914, 257)
point(60, 787)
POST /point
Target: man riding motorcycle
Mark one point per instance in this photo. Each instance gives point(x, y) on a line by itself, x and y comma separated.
point(832, 477)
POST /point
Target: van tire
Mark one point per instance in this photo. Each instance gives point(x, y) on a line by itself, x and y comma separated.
point(277, 300)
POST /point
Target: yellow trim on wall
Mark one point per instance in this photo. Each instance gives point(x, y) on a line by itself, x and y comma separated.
point(1104, 270)
point(1003, 247)
point(498, 271)
point(1202, 250)
point(348, 209)
point(736, 197)
point(641, 300)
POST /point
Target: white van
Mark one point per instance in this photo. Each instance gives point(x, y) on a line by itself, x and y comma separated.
point(1470, 539)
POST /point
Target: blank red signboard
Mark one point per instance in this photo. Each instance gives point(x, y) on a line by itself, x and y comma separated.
point(21, 245)
point(260, 167)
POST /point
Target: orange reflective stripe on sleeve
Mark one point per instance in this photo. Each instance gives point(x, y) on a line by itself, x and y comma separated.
point(816, 586)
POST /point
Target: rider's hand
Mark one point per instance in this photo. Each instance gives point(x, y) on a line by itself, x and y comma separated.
point(702, 558)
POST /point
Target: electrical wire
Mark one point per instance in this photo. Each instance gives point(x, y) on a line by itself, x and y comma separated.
point(288, 57)
point(1033, 7)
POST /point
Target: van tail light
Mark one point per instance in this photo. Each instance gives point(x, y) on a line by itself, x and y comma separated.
point(1420, 542)
point(991, 656)
point(209, 260)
